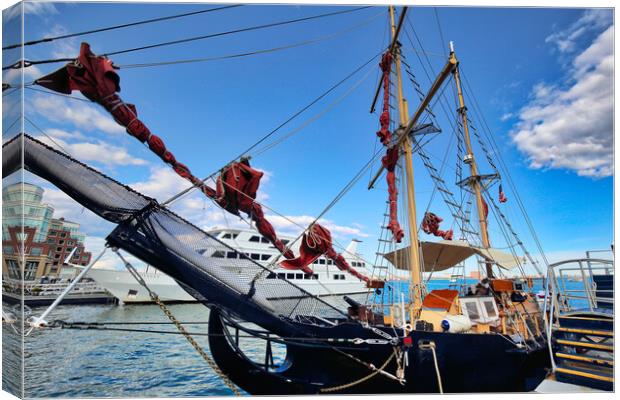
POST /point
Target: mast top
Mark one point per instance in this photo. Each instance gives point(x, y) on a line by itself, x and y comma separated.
point(451, 44)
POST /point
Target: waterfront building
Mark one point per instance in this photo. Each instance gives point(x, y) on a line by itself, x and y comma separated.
point(28, 226)
point(63, 237)
point(22, 204)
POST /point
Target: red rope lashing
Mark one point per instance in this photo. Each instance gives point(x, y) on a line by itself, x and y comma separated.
point(391, 157)
point(430, 225)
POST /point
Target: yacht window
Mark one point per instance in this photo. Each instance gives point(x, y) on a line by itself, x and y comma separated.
point(265, 257)
point(336, 277)
point(307, 276)
point(231, 254)
point(342, 277)
point(218, 254)
point(263, 240)
point(255, 256)
point(255, 239)
point(281, 275)
point(321, 261)
point(285, 241)
point(230, 236)
point(315, 276)
point(299, 276)
point(271, 276)
point(290, 276)
point(330, 262)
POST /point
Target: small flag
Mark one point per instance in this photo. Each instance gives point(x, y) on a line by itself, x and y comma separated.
point(502, 195)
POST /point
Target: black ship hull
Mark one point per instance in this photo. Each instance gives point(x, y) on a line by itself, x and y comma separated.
point(466, 363)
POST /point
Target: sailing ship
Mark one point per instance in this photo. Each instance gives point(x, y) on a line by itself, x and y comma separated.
point(325, 280)
point(400, 338)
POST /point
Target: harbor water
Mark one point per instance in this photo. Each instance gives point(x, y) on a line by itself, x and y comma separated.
point(96, 363)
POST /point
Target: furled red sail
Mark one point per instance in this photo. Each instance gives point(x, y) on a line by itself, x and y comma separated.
point(430, 225)
point(391, 157)
point(95, 77)
point(236, 191)
point(317, 241)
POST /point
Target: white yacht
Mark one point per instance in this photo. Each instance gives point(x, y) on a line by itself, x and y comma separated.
point(326, 280)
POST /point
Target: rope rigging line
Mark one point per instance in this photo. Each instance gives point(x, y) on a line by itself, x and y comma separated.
point(276, 129)
point(255, 52)
point(179, 326)
point(110, 28)
point(28, 63)
point(487, 131)
point(59, 94)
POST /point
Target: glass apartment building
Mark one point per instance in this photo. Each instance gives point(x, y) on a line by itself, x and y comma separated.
point(22, 204)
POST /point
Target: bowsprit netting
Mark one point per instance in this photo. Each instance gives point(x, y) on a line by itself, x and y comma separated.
point(161, 238)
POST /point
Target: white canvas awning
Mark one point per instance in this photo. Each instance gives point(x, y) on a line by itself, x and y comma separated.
point(439, 256)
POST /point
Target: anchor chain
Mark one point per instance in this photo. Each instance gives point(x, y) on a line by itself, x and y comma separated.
point(179, 326)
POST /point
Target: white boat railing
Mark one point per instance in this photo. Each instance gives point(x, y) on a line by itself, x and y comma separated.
point(570, 286)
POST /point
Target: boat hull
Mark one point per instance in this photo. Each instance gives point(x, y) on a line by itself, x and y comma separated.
point(467, 363)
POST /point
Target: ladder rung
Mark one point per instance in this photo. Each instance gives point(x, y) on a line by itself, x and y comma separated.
point(596, 346)
point(592, 360)
point(585, 374)
point(587, 332)
point(445, 191)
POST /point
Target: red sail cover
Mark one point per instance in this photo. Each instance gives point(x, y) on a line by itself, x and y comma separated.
point(391, 157)
point(317, 241)
point(95, 77)
point(236, 191)
point(430, 225)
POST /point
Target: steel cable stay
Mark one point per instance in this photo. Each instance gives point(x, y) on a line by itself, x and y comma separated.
point(114, 27)
point(28, 63)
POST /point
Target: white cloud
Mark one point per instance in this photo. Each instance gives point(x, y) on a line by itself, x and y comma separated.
point(506, 116)
point(40, 8)
point(591, 20)
point(14, 76)
point(571, 127)
point(99, 151)
point(79, 114)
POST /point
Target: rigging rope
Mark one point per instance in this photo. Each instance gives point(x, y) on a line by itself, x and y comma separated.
point(276, 129)
point(110, 28)
point(179, 326)
point(255, 52)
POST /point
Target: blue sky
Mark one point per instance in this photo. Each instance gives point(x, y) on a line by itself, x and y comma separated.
point(541, 77)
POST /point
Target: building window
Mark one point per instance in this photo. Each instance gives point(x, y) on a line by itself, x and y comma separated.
point(7, 249)
point(61, 242)
point(13, 269)
point(85, 257)
point(63, 234)
point(35, 251)
point(31, 270)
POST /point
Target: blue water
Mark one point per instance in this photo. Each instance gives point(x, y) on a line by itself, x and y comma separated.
point(94, 363)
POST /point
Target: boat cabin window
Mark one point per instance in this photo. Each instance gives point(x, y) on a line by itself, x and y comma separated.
point(255, 256)
point(218, 254)
point(231, 254)
point(285, 241)
point(472, 311)
point(321, 261)
point(299, 276)
point(230, 236)
point(265, 257)
point(489, 306)
point(281, 275)
point(307, 276)
point(255, 239)
point(330, 262)
point(271, 276)
point(340, 277)
point(290, 276)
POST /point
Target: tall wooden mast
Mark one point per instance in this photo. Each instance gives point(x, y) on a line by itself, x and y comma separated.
point(474, 179)
point(414, 253)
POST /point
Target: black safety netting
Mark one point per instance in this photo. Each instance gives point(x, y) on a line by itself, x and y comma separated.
point(163, 239)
